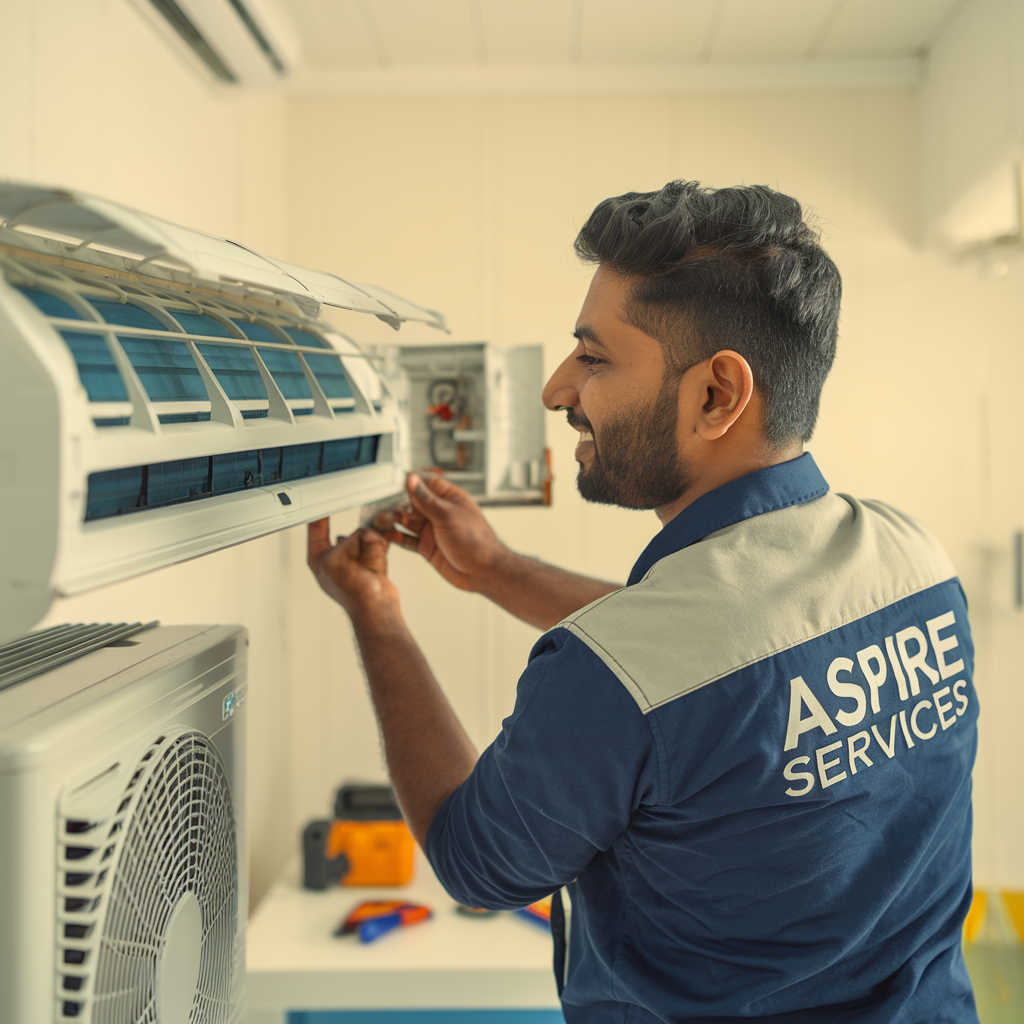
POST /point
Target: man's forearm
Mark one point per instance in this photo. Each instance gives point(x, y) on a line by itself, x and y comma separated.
point(538, 593)
point(427, 751)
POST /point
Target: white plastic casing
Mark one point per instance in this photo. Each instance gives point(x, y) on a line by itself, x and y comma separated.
point(71, 741)
point(50, 440)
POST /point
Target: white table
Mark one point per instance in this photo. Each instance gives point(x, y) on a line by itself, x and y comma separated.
point(451, 962)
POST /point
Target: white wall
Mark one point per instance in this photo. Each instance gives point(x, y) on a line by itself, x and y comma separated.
point(471, 204)
point(972, 139)
point(91, 98)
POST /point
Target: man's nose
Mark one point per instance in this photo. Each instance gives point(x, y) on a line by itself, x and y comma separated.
point(560, 391)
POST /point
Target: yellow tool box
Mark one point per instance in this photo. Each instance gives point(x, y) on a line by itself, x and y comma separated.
point(366, 843)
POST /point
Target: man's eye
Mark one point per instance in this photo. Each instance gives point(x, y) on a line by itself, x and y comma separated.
point(589, 360)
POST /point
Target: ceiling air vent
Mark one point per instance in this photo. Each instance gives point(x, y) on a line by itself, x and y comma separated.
point(238, 42)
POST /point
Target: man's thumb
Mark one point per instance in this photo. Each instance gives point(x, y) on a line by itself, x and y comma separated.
point(424, 500)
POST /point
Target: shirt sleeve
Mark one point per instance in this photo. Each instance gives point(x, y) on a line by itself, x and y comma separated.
point(572, 763)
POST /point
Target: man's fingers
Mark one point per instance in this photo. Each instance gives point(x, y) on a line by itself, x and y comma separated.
point(444, 488)
point(424, 500)
point(403, 540)
point(318, 540)
point(373, 550)
point(361, 547)
point(354, 570)
point(386, 520)
point(410, 519)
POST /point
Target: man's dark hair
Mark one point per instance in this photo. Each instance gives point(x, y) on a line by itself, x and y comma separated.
point(733, 268)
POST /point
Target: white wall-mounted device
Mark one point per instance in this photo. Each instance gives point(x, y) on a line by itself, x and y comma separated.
point(237, 42)
point(475, 413)
point(123, 872)
point(166, 393)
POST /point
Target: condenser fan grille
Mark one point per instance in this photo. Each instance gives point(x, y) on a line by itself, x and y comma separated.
point(165, 951)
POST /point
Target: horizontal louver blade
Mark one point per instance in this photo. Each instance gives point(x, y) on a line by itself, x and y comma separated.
point(119, 491)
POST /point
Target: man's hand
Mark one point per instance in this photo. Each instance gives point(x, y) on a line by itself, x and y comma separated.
point(353, 571)
point(428, 752)
point(455, 538)
point(451, 531)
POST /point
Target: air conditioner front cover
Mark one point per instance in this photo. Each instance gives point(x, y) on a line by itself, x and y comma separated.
point(113, 236)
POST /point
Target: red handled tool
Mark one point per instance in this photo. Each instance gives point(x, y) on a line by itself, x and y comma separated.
point(374, 918)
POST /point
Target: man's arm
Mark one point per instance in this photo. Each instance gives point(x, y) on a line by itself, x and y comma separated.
point(427, 751)
point(455, 537)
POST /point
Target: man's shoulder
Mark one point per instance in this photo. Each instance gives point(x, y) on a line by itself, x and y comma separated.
point(754, 589)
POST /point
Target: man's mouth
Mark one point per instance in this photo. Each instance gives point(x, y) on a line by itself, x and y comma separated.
point(586, 439)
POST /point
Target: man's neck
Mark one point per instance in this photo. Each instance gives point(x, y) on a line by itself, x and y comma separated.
point(717, 474)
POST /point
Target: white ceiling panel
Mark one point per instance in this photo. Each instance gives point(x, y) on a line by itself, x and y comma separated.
point(334, 34)
point(613, 32)
point(772, 30)
point(527, 31)
point(425, 31)
point(886, 26)
point(362, 35)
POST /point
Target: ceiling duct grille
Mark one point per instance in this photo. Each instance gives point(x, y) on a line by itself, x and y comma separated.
point(194, 40)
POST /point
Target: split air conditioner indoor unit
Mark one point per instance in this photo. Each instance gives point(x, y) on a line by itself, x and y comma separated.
point(238, 42)
point(166, 393)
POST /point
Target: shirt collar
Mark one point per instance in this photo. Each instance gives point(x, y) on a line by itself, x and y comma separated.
point(765, 490)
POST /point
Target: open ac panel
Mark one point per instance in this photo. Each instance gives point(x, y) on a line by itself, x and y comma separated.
point(167, 393)
point(123, 864)
point(475, 414)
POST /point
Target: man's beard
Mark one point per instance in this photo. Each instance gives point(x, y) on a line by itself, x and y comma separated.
point(636, 462)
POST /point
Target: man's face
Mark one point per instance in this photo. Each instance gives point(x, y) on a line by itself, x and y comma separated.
point(616, 394)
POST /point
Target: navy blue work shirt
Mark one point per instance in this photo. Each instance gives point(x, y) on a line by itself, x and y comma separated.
point(751, 770)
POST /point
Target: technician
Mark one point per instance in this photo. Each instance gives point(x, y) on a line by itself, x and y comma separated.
point(748, 771)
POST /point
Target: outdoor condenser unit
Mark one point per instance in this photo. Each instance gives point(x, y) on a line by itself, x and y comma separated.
point(123, 874)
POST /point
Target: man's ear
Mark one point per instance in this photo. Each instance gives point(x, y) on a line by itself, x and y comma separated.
point(727, 385)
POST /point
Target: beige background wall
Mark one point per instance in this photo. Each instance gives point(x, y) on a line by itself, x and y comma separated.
point(470, 205)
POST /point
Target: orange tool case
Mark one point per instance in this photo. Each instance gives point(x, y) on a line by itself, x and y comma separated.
point(367, 842)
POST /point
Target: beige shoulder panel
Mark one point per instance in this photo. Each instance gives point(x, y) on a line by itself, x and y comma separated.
point(756, 588)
